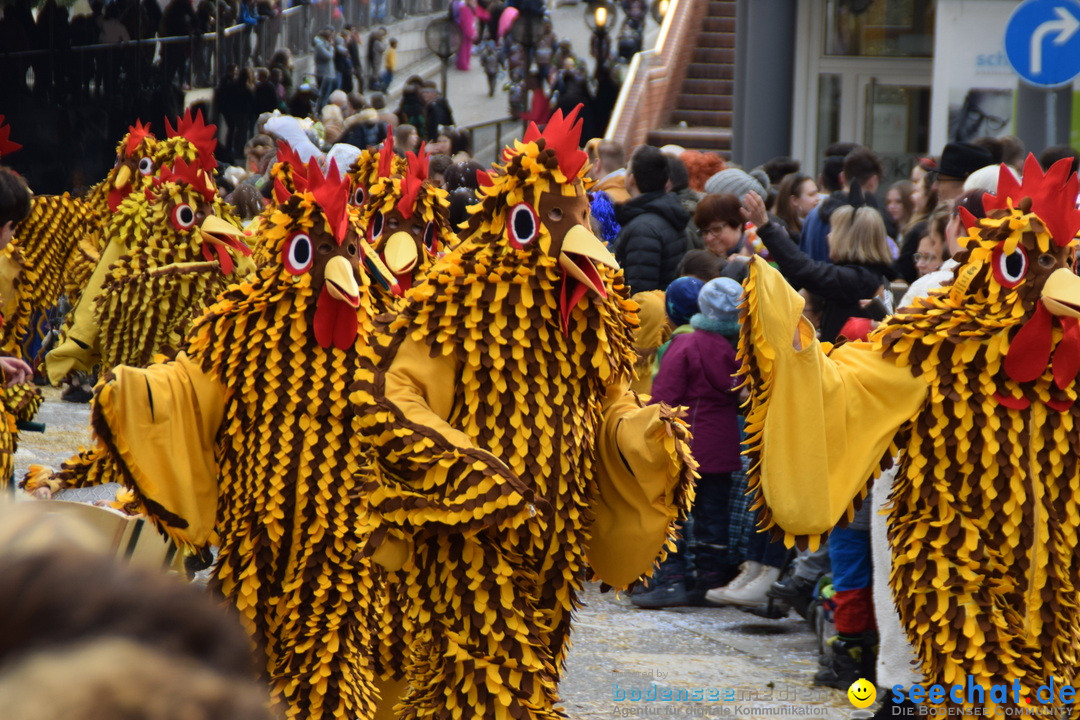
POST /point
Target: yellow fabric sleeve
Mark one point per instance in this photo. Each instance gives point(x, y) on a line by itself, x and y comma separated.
point(818, 424)
point(161, 423)
point(434, 473)
point(645, 483)
point(79, 349)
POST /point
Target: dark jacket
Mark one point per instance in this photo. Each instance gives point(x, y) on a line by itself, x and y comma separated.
point(652, 240)
point(696, 371)
point(840, 286)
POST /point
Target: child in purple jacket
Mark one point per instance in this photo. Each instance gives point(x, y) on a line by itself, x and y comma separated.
point(697, 372)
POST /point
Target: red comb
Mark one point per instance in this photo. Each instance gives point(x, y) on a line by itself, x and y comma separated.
point(1053, 196)
point(7, 146)
point(201, 135)
point(484, 178)
point(136, 134)
point(191, 175)
point(563, 135)
point(386, 156)
point(412, 181)
point(331, 192)
point(289, 156)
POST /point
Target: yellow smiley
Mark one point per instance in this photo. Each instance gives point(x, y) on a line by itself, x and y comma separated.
point(862, 693)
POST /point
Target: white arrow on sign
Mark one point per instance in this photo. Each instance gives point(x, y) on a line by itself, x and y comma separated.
point(1065, 26)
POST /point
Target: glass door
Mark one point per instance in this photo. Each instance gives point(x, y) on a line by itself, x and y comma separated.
point(896, 124)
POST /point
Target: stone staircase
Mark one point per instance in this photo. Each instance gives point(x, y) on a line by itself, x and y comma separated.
point(702, 114)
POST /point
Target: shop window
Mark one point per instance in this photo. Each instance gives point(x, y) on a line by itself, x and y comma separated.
point(879, 28)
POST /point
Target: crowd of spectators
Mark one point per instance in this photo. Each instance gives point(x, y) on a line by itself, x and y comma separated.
point(682, 225)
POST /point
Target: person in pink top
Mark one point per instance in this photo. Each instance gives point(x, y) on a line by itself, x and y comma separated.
point(467, 12)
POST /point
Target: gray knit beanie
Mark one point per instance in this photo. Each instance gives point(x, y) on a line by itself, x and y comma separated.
point(734, 182)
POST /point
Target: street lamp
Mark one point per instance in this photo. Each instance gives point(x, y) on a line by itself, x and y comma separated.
point(659, 9)
point(443, 38)
point(599, 16)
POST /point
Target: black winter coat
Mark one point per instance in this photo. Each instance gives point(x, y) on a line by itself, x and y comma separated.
point(840, 286)
point(652, 240)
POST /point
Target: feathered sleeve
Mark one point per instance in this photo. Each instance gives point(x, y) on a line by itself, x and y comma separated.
point(645, 482)
point(159, 424)
point(818, 425)
point(434, 476)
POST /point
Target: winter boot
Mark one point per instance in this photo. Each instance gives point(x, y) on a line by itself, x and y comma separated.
point(852, 658)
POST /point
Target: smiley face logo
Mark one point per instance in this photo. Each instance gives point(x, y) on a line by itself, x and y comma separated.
point(862, 693)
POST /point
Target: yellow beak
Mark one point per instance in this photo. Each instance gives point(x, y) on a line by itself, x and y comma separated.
point(580, 249)
point(378, 268)
point(340, 280)
point(1061, 293)
point(213, 225)
point(400, 253)
point(123, 177)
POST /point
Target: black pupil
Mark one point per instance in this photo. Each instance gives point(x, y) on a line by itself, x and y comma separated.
point(145, 164)
point(1014, 264)
point(358, 198)
point(302, 251)
point(523, 225)
point(186, 215)
point(429, 236)
point(376, 224)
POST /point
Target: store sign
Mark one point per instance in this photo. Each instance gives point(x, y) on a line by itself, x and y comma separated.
point(1042, 41)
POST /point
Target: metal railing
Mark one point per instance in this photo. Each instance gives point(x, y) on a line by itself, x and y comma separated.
point(292, 28)
point(489, 138)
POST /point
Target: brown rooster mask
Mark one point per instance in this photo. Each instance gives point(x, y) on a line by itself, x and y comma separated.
point(407, 220)
point(541, 188)
point(216, 236)
point(134, 158)
point(1029, 242)
point(326, 249)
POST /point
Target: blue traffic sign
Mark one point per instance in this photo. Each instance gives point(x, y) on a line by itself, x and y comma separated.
point(1042, 41)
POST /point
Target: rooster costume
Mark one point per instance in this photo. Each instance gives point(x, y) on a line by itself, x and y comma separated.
point(513, 456)
point(974, 390)
point(244, 441)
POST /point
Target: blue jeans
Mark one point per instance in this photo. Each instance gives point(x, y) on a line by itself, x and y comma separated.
point(327, 85)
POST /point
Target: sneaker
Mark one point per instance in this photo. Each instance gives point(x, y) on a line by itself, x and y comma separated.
point(668, 595)
point(750, 570)
point(753, 592)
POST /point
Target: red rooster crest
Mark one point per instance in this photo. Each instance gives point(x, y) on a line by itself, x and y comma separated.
point(136, 134)
point(7, 146)
point(190, 175)
point(412, 181)
point(563, 135)
point(1053, 197)
point(201, 135)
point(386, 156)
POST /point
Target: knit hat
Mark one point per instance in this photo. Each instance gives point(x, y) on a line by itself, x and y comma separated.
point(719, 302)
point(681, 299)
point(719, 299)
point(734, 182)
